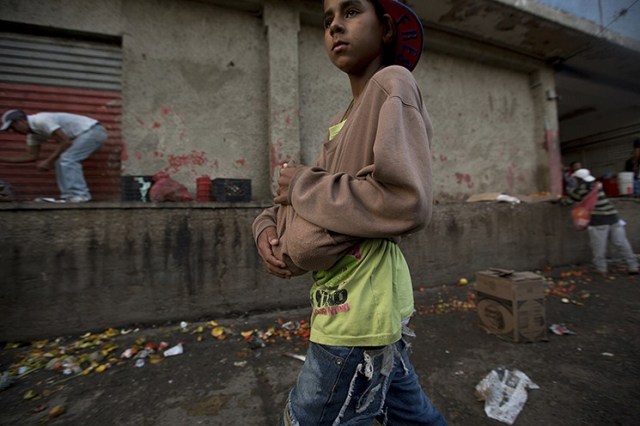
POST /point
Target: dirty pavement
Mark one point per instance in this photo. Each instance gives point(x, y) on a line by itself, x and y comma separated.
point(237, 371)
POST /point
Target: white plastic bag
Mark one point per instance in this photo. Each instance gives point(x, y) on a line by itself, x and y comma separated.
point(505, 393)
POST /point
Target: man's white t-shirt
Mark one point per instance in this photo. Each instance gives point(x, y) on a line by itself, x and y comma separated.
point(45, 123)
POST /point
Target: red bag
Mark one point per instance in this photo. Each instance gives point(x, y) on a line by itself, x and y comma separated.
point(581, 214)
point(166, 189)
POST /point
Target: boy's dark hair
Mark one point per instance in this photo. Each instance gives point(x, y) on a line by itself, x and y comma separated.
point(388, 54)
point(378, 7)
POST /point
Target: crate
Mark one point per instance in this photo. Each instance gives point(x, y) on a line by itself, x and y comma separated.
point(135, 188)
point(231, 190)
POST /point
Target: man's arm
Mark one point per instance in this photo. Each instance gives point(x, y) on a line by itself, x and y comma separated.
point(578, 192)
point(63, 144)
point(32, 154)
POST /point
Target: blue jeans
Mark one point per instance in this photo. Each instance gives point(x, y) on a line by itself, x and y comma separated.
point(354, 386)
point(68, 166)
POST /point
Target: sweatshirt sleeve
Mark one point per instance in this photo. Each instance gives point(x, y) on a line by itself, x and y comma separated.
point(389, 198)
point(264, 220)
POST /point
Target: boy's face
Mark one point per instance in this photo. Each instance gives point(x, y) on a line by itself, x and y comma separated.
point(353, 35)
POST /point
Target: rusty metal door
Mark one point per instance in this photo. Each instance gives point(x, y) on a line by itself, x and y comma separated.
point(55, 74)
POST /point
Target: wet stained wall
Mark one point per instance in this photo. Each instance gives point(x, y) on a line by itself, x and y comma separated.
point(69, 269)
point(198, 99)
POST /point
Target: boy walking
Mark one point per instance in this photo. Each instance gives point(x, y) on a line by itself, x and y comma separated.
point(77, 137)
point(371, 184)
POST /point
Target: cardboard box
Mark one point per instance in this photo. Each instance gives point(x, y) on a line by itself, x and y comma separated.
point(511, 304)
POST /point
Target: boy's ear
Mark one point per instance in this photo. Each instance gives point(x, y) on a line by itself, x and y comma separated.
point(389, 27)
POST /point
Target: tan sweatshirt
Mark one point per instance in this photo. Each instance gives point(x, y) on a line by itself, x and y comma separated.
point(373, 180)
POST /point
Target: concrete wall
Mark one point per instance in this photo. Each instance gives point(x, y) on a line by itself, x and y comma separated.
point(69, 269)
point(205, 92)
point(488, 132)
point(194, 97)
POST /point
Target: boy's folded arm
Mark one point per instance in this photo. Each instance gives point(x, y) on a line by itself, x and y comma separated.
point(390, 198)
point(264, 220)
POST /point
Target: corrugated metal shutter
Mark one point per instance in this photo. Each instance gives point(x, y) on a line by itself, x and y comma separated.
point(60, 62)
point(40, 74)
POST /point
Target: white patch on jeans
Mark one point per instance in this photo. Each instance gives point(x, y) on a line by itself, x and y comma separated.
point(368, 366)
point(370, 396)
point(288, 417)
point(406, 331)
point(367, 370)
point(336, 422)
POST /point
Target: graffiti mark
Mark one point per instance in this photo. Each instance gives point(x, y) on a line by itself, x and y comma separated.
point(194, 158)
point(156, 125)
point(124, 154)
point(241, 162)
point(443, 158)
point(464, 179)
point(165, 110)
point(278, 156)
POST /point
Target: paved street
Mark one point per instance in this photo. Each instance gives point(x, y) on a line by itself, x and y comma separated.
point(237, 371)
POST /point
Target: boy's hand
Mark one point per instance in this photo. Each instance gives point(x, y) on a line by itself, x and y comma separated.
point(286, 173)
point(266, 240)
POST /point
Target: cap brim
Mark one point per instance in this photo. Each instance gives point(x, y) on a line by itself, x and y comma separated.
point(6, 126)
point(410, 34)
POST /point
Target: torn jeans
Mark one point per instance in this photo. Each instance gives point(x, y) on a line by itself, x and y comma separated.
point(353, 386)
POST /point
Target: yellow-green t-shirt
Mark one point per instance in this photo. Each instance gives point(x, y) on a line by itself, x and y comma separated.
point(363, 298)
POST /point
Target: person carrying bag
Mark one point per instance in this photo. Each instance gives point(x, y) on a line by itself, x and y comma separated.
point(596, 213)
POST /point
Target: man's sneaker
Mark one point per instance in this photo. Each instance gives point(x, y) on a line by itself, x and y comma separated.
point(78, 199)
point(49, 200)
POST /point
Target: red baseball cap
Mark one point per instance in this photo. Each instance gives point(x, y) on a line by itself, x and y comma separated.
point(409, 33)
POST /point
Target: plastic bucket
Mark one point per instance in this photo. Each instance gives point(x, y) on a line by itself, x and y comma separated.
point(203, 188)
point(610, 186)
point(625, 183)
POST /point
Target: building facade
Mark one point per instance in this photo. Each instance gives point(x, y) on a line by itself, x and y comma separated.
point(231, 89)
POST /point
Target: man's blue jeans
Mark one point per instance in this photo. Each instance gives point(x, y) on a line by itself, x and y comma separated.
point(69, 167)
point(355, 386)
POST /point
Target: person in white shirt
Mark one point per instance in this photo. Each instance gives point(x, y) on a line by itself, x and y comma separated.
point(77, 137)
